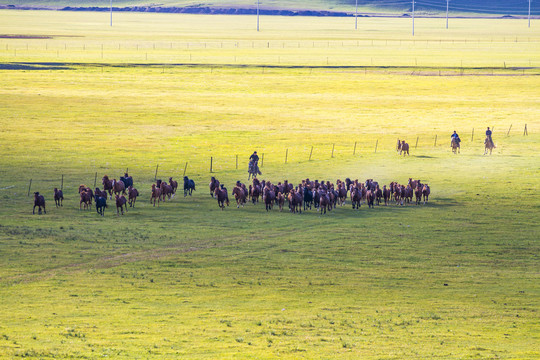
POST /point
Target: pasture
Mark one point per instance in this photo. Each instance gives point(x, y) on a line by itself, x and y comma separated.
point(455, 278)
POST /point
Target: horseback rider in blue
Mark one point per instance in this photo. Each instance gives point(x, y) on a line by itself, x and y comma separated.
point(488, 135)
point(253, 164)
point(455, 136)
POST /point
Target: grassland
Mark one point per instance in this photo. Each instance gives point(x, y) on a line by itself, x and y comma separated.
point(456, 278)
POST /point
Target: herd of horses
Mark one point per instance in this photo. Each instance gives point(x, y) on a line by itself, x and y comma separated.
point(323, 196)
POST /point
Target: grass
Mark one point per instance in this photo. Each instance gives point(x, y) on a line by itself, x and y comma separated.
point(456, 278)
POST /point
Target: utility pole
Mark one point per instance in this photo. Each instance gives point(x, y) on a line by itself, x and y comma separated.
point(356, 15)
point(412, 17)
point(447, 1)
point(257, 15)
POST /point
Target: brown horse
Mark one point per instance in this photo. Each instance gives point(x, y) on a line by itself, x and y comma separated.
point(425, 192)
point(222, 196)
point(409, 193)
point(454, 144)
point(83, 187)
point(280, 200)
point(39, 201)
point(107, 185)
point(166, 190)
point(356, 198)
point(488, 145)
point(132, 196)
point(118, 187)
point(121, 203)
point(255, 192)
point(342, 194)
point(214, 184)
point(295, 202)
point(85, 203)
point(173, 184)
point(239, 196)
point(418, 195)
point(370, 198)
point(404, 148)
point(324, 202)
point(58, 197)
point(269, 197)
point(386, 194)
point(156, 194)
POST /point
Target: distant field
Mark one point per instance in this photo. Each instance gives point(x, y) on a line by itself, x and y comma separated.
point(455, 278)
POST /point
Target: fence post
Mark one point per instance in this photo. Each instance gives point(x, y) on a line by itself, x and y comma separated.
point(435, 140)
point(508, 133)
point(155, 175)
point(333, 145)
point(29, 186)
point(185, 168)
point(236, 162)
point(262, 160)
point(211, 161)
point(415, 145)
point(286, 155)
point(525, 132)
point(354, 150)
point(376, 144)
point(472, 135)
point(62, 184)
point(95, 179)
point(311, 152)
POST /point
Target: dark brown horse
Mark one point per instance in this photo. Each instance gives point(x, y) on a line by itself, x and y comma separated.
point(295, 201)
point(220, 193)
point(214, 184)
point(356, 197)
point(121, 203)
point(418, 195)
point(107, 185)
point(324, 202)
point(255, 192)
point(132, 196)
point(425, 192)
point(269, 197)
point(370, 198)
point(386, 194)
point(280, 200)
point(58, 197)
point(404, 147)
point(156, 194)
point(39, 201)
point(166, 190)
point(342, 194)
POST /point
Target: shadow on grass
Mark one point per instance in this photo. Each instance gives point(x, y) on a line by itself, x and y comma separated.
point(24, 66)
point(424, 156)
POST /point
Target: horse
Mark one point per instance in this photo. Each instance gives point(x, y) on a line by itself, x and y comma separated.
point(418, 195)
point(189, 186)
point(425, 192)
point(166, 190)
point(280, 201)
point(173, 184)
point(121, 203)
point(404, 148)
point(83, 187)
point(308, 198)
point(295, 202)
point(239, 196)
point(127, 180)
point(488, 145)
point(253, 169)
point(356, 197)
point(39, 201)
point(378, 195)
point(156, 195)
point(118, 187)
point(214, 184)
point(107, 185)
point(454, 144)
point(100, 193)
point(255, 192)
point(370, 197)
point(222, 196)
point(324, 202)
point(408, 193)
point(58, 197)
point(101, 203)
point(132, 196)
point(386, 195)
point(85, 201)
point(269, 198)
point(342, 194)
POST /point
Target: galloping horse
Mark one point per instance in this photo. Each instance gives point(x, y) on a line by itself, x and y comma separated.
point(189, 186)
point(253, 169)
point(107, 185)
point(239, 196)
point(489, 145)
point(132, 196)
point(39, 201)
point(403, 147)
point(222, 197)
point(58, 197)
point(455, 145)
point(356, 197)
point(118, 187)
point(156, 194)
point(269, 197)
point(174, 185)
point(214, 184)
point(121, 203)
point(425, 192)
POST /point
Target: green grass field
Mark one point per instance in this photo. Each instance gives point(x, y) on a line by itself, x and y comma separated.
point(456, 278)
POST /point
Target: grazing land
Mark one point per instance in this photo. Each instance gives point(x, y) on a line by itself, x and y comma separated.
point(455, 278)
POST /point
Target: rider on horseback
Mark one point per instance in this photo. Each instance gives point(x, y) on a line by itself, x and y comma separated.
point(456, 137)
point(488, 135)
point(253, 163)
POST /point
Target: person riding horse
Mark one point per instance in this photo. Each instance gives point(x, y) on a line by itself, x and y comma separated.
point(456, 137)
point(253, 164)
point(488, 136)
